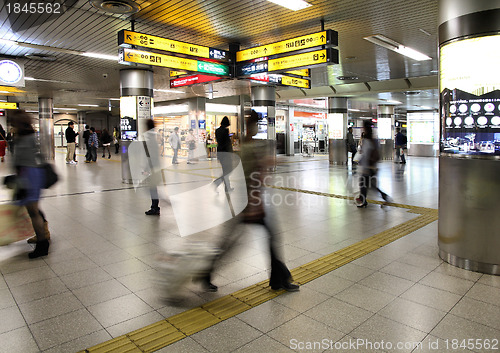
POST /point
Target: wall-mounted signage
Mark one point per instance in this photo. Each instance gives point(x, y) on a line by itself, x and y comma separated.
point(143, 107)
point(192, 80)
point(311, 58)
point(8, 105)
point(251, 68)
point(328, 37)
point(295, 82)
point(11, 73)
point(143, 57)
point(126, 37)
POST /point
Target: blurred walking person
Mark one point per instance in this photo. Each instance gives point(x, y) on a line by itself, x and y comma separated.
point(10, 140)
point(368, 163)
point(400, 144)
point(30, 179)
point(86, 136)
point(93, 145)
point(175, 142)
point(106, 140)
point(3, 143)
point(224, 148)
point(70, 143)
point(256, 161)
point(351, 144)
point(191, 145)
point(116, 139)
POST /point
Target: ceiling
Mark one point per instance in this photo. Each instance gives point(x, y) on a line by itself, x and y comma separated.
point(379, 76)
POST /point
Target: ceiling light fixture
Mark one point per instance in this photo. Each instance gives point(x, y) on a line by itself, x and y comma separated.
point(293, 5)
point(397, 47)
point(65, 108)
point(7, 42)
point(100, 56)
point(167, 91)
point(88, 105)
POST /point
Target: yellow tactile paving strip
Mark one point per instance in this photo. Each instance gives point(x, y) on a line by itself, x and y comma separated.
point(161, 334)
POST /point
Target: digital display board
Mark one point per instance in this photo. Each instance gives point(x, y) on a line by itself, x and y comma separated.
point(470, 96)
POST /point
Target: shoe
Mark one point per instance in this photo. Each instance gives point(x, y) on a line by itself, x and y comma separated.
point(360, 203)
point(109, 157)
point(103, 156)
point(41, 249)
point(289, 287)
point(153, 212)
point(72, 162)
point(87, 161)
point(210, 287)
point(68, 162)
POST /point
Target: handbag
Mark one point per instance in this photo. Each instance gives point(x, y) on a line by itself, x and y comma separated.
point(357, 157)
point(15, 224)
point(51, 176)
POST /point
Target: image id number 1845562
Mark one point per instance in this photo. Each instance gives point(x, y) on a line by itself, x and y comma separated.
point(33, 7)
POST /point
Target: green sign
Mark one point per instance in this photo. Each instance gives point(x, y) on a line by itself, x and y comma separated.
point(213, 68)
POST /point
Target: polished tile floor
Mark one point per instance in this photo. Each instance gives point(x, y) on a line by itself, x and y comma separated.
point(97, 282)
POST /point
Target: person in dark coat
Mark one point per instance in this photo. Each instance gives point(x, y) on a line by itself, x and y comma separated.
point(224, 153)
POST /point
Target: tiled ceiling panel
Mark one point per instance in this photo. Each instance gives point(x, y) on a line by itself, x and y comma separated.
point(217, 23)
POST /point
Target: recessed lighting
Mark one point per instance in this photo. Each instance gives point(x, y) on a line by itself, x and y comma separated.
point(347, 78)
point(167, 91)
point(100, 56)
point(390, 44)
point(293, 5)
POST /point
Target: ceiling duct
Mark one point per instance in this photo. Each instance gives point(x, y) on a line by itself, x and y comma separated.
point(40, 57)
point(121, 7)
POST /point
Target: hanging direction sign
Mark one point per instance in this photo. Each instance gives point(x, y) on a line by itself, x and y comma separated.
point(174, 73)
point(144, 57)
point(303, 60)
point(303, 72)
point(251, 68)
point(126, 37)
point(192, 80)
point(328, 37)
point(8, 105)
point(295, 82)
point(281, 80)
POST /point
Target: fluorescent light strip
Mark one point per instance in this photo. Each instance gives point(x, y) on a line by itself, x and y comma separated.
point(65, 108)
point(397, 47)
point(167, 91)
point(88, 105)
point(100, 56)
point(294, 5)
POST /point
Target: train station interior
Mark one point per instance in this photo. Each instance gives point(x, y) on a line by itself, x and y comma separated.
point(412, 269)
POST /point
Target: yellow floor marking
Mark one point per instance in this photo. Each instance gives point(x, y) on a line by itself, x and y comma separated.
point(177, 327)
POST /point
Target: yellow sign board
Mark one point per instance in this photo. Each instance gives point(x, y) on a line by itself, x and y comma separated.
point(174, 73)
point(295, 82)
point(303, 72)
point(8, 105)
point(292, 61)
point(173, 62)
point(154, 42)
point(148, 58)
point(285, 46)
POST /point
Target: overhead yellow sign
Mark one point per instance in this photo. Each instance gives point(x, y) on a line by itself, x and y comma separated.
point(174, 62)
point(292, 61)
point(303, 72)
point(8, 105)
point(295, 82)
point(285, 46)
point(160, 43)
point(174, 73)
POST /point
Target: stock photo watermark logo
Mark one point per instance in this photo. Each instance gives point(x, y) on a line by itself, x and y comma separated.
point(198, 202)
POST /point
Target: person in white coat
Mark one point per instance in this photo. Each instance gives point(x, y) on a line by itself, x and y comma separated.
point(175, 142)
point(191, 145)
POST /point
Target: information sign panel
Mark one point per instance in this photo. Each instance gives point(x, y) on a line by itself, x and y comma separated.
point(303, 60)
point(328, 37)
point(153, 42)
point(192, 80)
point(295, 82)
point(303, 72)
point(8, 105)
point(144, 57)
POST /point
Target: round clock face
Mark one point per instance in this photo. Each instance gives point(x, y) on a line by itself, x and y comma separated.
point(10, 72)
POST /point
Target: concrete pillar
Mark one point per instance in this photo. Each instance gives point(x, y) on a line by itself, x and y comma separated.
point(264, 97)
point(289, 133)
point(46, 126)
point(197, 112)
point(136, 89)
point(468, 228)
point(337, 129)
point(385, 128)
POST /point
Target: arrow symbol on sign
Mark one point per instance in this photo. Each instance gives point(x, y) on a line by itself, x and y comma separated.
point(140, 103)
point(322, 37)
point(322, 56)
point(129, 37)
point(129, 55)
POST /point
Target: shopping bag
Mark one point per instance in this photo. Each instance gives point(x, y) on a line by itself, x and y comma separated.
point(15, 224)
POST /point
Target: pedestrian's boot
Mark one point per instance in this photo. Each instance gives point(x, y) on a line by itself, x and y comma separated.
point(32, 240)
point(41, 249)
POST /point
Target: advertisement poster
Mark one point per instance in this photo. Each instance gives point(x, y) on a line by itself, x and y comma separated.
point(470, 96)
